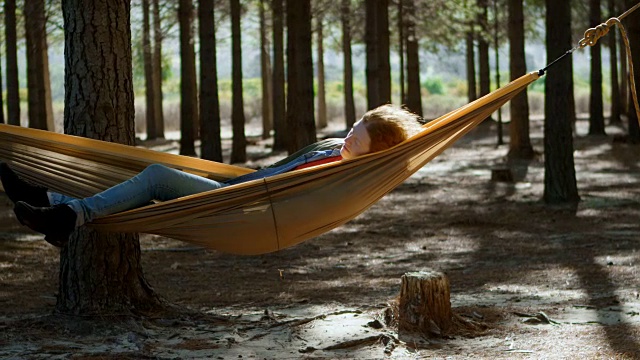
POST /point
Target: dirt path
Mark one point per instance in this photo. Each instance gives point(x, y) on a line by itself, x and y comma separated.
point(513, 264)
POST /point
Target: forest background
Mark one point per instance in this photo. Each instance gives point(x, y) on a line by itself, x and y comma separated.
point(443, 54)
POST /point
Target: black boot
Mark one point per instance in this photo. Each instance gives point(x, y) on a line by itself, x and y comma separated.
point(20, 190)
point(55, 222)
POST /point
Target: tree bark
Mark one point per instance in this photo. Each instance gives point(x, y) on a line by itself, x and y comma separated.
point(614, 118)
point(239, 146)
point(157, 70)
point(188, 91)
point(211, 142)
point(633, 28)
point(300, 113)
point(496, 47)
point(100, 273)
point(347, 76)
point(520, 143)
point(624, 80)
point(483, 48)
point(2, 118)
point(148, 73)
point(322, 101)
point(596, 112)
point(265, 71)
point(280, 136)
point(11, 41)
point(39, 101)
point(471, 68)
point(401, 43)
point(560, 177)
point(425, 304)
point(378, 69)
point(414, 96)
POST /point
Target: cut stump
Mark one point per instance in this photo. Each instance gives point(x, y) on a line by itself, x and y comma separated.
point(424, 303)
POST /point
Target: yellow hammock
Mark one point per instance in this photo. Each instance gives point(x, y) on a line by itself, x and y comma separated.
point(255, 217)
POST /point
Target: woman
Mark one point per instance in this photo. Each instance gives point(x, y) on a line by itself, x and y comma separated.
point(57, 215)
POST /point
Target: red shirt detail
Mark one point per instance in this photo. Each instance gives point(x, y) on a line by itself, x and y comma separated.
point(319, 162)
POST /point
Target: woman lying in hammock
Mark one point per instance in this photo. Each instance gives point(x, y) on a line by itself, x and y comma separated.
point(57, 216)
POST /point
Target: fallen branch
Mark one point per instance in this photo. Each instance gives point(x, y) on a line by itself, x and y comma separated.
point(384, 338)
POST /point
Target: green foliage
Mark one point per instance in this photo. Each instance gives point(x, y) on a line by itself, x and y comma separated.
point(433, 85)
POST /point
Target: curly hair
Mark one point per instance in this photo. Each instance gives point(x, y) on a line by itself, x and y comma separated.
point(389, 125)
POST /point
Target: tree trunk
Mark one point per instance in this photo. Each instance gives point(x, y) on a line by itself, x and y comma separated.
point(13, 87)
point(39, 100)
point(187, 80)
point(633, 28)
point(347, 76)
point(624, 76)
point(280, 136)
point(425, 304)
point(211, 142)
point(239, 147)
point(414, 96)
point(471, 68)
point(560, 177)
point(483, 48)
point(378, 69)
point(496, 46)
point(520, 143)
point(322, 101)
point(157, 70)
point(300, 115)
point(614, 118)
point(596, 112)
point(100, 273)
point(401, 43)
point(2, 121)
point(148, 73)
point(265, 71)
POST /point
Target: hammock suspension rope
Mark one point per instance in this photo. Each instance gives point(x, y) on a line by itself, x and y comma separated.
point(591, 37)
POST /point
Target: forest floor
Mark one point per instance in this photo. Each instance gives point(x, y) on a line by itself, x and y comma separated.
point(538, 281)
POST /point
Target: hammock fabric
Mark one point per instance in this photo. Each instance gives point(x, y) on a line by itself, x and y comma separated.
point(255, 217)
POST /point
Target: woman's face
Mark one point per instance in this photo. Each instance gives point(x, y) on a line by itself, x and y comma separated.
point(357, 142)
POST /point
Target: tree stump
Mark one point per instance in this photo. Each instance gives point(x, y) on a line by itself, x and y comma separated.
point(425, 304)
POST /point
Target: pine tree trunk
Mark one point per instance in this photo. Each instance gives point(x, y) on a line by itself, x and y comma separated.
point(624, 75)
point(239, 146)
point(483, 49)
point(11, 41)
point(520, 142)
point(414, 96)
point(211, 142)
point(300, 113)
point(2, 118)
point(148, 73)
point(322, 101)
point(100, 273)
point(633, 28)
point(613, 65)
point(401, 50)
point(496, 48)
point(265, 71)
point(349, 104)
point(471, 68)
point(596, 112)
point(157, 70)
point(281, 135)
point(39, 101)
point(188, 94)
point(560, 179)
point(378, 69)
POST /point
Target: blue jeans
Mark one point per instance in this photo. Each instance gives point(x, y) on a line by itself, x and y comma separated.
point(156, 182)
